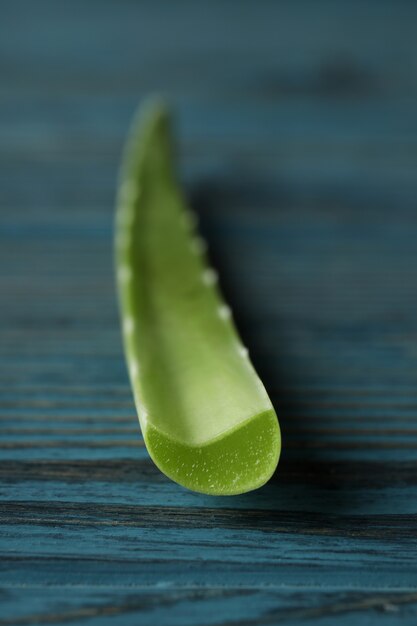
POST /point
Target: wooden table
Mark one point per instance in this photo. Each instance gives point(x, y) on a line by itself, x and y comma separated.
point(297, 130)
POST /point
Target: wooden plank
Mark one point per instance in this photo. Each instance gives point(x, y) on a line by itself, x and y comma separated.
point(298, 149)
point(173, 606)
point(336, 48)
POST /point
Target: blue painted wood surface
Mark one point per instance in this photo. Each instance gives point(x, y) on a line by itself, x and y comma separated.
point(298, 149)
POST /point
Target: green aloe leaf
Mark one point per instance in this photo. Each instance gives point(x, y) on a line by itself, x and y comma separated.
point(206, 418)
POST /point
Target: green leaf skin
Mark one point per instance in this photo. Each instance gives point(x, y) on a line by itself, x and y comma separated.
point(206, 418)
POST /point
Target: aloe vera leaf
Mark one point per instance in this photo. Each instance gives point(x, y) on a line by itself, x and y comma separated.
point(206, 418)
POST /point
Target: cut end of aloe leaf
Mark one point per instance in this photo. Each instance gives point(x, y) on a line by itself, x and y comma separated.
point(237, 461)
point(206, 418)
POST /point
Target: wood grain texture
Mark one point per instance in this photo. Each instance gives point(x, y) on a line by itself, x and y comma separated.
point(298, 149)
